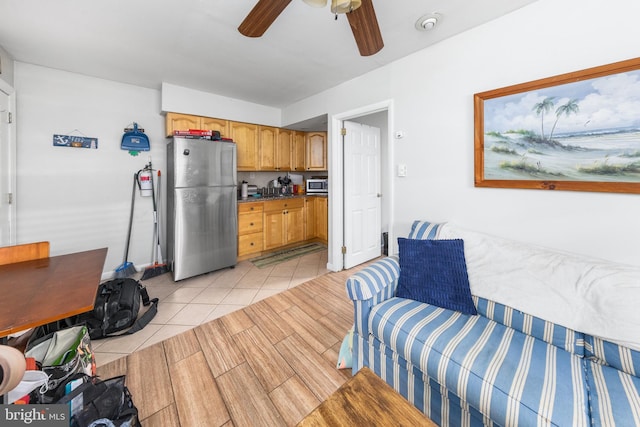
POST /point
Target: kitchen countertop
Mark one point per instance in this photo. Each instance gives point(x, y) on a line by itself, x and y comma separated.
point(287, 196)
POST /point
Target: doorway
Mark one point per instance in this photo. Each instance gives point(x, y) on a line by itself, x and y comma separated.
point(341, 232)
point(362, 193)
point(7, 166)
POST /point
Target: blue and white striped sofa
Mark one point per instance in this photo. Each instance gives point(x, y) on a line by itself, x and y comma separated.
point(550, 344)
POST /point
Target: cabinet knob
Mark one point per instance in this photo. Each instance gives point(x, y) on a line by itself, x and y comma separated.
point(251, 224)
point(252, 244)
point(251, 208)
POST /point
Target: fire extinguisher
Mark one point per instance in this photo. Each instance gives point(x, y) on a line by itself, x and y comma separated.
point(144, 177)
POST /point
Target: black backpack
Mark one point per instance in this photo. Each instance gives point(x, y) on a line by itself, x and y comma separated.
point(102, 403)
point(116, 309)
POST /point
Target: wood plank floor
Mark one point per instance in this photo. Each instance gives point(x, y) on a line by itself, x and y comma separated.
point(269, 364)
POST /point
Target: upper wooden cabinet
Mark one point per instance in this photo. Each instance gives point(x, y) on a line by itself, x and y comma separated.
point(245, 135)
point(316, 151)
point(299, 150)
point(283, 150)
point(176, 121)
point(275, 148)
point(221, 125)
point(261, 148)
point(267, 147)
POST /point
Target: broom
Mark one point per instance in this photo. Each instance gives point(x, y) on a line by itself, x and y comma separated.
point(158, 266)
point(127, 268)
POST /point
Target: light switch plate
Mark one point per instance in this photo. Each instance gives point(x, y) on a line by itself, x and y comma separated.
point(402, 170)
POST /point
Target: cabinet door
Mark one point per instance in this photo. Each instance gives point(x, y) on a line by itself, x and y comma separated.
point(245, 135)
point(295, 225)
point(267, 141)
point(175, 121)
point(298, 146)
point(316, 151)
point(283, 162)
point(322, 218)
point(310, 217)
point(221, 125)
point(274, 229)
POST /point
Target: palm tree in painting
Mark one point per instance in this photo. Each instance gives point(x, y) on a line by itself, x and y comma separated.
point(571, 107)
point(543, 107)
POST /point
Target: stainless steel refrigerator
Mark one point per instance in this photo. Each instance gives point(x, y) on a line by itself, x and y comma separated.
point(202, 220)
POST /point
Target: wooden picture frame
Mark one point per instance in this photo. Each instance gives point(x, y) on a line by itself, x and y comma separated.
point(578, 131)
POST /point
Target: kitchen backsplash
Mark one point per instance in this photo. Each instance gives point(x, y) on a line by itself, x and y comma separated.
point(261, 179)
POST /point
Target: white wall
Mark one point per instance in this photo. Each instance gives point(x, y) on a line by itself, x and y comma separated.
point(432, 93)
point(79, 199)
point(6, 67)
point(189, 101)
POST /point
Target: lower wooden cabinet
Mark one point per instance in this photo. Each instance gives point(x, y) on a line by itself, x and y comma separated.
point(250, 228)
point(283, 222)
point(272, 224)
point(322, 218)
point(316, 220)
point(310, 219)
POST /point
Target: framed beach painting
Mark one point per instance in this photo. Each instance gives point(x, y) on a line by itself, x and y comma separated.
point(576, 131)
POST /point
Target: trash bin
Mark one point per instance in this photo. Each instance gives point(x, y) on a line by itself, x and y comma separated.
point(385, 243)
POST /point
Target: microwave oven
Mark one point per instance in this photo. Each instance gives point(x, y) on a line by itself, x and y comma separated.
point(317, 186)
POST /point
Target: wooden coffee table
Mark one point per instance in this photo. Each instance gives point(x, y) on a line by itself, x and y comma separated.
point(366, 400)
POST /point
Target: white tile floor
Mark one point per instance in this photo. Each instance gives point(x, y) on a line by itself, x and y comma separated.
point(191, 302)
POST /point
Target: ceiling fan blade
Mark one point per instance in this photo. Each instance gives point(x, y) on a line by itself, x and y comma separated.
point(261, 17)
point(366, 31)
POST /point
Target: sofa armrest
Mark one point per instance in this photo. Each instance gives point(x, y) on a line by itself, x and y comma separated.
point(370, 286)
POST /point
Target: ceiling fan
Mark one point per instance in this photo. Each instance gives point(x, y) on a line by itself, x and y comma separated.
point(360, 13)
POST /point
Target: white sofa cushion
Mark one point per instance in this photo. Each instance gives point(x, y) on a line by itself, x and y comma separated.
point(594, 296)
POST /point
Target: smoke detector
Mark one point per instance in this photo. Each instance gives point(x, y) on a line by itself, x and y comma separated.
point(427, 22)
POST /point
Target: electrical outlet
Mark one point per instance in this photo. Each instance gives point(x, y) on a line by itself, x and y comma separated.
point(402, 170)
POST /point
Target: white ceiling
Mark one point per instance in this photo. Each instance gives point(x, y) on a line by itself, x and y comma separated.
point(195, 43)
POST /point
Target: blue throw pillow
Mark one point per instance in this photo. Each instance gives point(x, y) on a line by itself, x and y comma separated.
point(435, 272)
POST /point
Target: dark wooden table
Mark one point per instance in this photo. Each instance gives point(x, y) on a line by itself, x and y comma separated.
point(366, 400)
point(34, 293)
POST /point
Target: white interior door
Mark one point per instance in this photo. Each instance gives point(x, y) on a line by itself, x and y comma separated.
point(362, 198)
point(7, 172)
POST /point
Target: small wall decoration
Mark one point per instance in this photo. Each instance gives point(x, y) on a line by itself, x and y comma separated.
point(74, 141)
point(577, 131)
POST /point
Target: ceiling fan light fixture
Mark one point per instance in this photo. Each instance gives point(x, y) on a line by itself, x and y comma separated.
point(344, 6)
point(427, 22)
point(316, 3)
